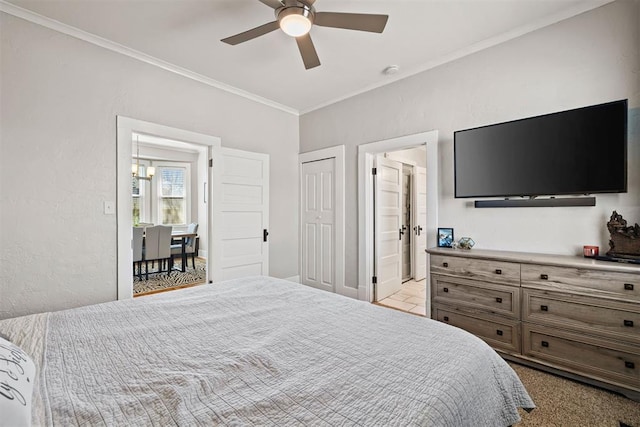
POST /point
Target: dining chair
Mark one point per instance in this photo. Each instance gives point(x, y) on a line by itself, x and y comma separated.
point(190, 245)
point(164, 247)
point(158, 248)
point(138, 238)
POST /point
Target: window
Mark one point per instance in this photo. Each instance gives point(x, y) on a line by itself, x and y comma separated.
point(173, 195)
point(165, 199)
point(135, 194)
point(140, 201)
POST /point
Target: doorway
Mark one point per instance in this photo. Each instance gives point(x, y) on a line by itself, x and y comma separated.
point(400, 228)
point(366, 237)
point(235, 189)
point(168, 189)
point(159, 138)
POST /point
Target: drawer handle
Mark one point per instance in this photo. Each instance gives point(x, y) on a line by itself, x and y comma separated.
point(544, 276)
point(445, 289)
point(445, 264)
point(628, 323)
point(499, 332)
point(446, 318)
point(498, 299)
point(545, 344)
point(544, 308)
point(630, 365)
point(628, 287)
point(498, 271)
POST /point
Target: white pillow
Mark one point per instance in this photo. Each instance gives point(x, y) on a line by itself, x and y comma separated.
point(17, 374)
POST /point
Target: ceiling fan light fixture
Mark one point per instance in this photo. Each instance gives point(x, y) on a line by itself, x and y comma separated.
point(295, 21)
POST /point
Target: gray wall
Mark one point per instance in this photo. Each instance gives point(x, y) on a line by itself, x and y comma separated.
point(588, 59)
point(60, 99)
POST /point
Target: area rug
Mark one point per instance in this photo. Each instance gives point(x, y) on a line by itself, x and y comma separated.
point(160, 281)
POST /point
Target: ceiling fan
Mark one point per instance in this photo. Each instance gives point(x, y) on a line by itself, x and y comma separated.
point(296, 17)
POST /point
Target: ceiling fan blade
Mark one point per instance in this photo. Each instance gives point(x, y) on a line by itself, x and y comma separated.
point(274, 4)
point(252, 33)
point(351, 21)
point(308, 51)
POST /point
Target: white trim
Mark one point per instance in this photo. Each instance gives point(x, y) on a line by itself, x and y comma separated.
point(116, 47)
point(469, 50)
point(337, 153)
point(126, 126)
point(77, 33)
point(295, 279)
point(366, 154)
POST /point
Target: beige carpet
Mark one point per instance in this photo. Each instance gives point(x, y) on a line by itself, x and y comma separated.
point(565, 403)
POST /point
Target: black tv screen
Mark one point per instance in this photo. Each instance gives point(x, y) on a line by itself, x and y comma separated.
point(581, 151)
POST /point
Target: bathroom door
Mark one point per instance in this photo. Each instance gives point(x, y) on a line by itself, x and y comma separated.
point(419, 230)
point(388, 227)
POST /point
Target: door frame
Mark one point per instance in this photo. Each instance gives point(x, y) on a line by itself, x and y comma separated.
point(337, 153)
point(366, 153)
point(125, 127)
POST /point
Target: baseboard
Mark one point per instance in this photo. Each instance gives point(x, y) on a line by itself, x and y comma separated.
point(295, 279)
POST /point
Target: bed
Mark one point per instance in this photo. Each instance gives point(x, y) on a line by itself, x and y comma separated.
point(260, 351)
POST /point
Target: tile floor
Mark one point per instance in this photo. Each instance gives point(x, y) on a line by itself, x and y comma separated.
point(410, 298)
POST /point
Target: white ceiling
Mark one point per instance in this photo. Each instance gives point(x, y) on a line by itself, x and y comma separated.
point(186, 33)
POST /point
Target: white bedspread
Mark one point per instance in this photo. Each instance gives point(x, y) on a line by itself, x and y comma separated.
point(263, 351)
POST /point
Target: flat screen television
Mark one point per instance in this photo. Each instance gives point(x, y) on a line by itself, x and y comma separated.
point(574, 152)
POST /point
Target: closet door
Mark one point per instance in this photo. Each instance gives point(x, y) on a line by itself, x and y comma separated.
point(241, 214)
point(419, 223)
point(318, 224)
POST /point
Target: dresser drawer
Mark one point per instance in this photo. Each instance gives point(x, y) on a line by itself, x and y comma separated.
point(604, 283)
point(490, 297)
point(502, 334)
point(493, 271)
point(597, 358)
point(610, 318)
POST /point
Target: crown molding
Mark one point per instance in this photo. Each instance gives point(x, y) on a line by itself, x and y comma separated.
point(77, 33)
point(469, 50)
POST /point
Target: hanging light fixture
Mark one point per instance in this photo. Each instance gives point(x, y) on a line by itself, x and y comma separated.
point(136, 170)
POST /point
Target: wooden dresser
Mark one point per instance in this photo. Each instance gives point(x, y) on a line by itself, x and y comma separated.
point(573, 316)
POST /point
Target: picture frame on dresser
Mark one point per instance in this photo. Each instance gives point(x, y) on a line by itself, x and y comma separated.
point(445, 237)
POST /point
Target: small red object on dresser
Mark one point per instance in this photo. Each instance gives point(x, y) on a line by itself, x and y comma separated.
point(590, 251)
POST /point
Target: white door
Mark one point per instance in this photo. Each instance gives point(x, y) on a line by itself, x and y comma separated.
point(419, 223)
point(317, 203)
point(388, 225)
point(241, 214)
point(407, 253)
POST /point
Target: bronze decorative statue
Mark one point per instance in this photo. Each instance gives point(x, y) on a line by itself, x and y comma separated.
point(625, 240)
